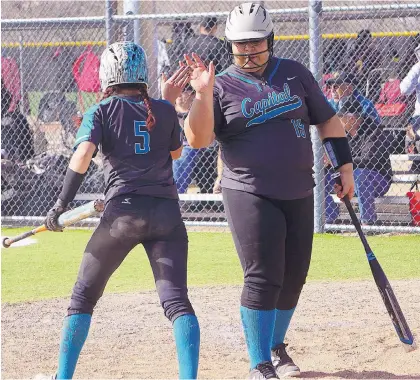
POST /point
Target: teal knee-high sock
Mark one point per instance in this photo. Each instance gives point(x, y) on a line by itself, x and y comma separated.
point(283, 318)
point(73, 337)
point(258, 328)
point(187, 340)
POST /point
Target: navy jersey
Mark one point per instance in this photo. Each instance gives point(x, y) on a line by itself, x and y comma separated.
point(136, 161)
point(262, 124)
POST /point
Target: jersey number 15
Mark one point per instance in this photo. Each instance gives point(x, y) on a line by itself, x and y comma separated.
point(144, 146)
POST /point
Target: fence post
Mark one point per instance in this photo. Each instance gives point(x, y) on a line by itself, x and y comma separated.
point(132, 28)
point(315, 59)
point(22, 84)
point(109, 22)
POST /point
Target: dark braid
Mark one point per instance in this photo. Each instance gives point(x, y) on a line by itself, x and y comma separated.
point(110, 91)
point(151, 121)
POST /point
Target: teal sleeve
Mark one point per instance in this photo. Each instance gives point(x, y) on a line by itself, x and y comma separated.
point(91, 127)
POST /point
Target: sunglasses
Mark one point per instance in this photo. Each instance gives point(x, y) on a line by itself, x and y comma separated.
point(252, 43)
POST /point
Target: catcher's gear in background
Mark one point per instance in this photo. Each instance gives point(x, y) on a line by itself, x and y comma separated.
point(123, 62)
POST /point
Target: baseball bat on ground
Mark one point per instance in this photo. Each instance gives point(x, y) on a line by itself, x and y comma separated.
point(384, 287)
point(64, 220)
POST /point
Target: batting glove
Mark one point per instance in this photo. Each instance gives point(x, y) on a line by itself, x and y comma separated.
point(51, 221)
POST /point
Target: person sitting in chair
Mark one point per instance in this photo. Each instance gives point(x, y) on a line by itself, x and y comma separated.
point(345, 87)
point(372, 165)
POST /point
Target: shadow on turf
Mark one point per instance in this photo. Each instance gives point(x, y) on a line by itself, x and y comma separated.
point(356, 375)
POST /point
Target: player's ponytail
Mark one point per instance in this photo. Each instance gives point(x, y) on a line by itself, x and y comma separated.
point(151, 121)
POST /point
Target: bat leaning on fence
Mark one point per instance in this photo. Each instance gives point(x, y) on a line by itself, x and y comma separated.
point(385, 289)
point(64, 220)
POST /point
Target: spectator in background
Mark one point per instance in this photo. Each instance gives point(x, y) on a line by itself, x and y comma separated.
point(409, 59)
point(409, 85)
point(208, 46)
point(181, 33)
point(194, 164)
point(62, 62)
point(163, 62)
point(344, 87)
point(16, 136)
point(334, 55)
point(205, 171)
point(372, 165)
point(183, 167)
point(362, 59)
point(333, 62)
point(10, 79)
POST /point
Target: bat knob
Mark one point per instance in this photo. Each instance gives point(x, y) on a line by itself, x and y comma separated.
point(5, 245)
point(99, 205)
point(410, 347)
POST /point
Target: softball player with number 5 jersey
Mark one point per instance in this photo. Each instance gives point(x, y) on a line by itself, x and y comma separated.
point(137, 137)
point(260, 110)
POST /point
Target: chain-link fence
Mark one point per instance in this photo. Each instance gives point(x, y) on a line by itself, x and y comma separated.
point(361, 54)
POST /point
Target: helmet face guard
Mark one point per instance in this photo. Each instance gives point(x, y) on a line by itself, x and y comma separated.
point(270, 49)
point(249, 22)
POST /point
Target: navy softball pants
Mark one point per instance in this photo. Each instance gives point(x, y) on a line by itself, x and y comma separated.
point(273, 239)
point(128, 221)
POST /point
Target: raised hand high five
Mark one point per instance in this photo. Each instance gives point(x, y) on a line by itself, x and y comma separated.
point(202, 77)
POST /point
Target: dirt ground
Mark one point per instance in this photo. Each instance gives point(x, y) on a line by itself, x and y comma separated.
point(340, 330)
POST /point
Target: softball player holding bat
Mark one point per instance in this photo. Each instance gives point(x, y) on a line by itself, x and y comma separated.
point(137, 136)
point(260, 110)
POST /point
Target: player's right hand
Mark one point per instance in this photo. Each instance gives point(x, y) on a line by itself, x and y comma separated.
point(347, 182)
point(51, 220)
point(202, 78)
point(172, 88)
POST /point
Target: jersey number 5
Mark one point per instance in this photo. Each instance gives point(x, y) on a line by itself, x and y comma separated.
point(143, 147)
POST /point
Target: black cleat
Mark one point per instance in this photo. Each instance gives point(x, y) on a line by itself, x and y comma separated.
point(283, 363)
point(264, 370)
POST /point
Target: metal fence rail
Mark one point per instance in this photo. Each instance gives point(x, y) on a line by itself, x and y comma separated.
point(49, 72)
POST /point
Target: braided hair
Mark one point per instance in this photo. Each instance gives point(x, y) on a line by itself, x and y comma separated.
point(150, 121)
point(113, 90)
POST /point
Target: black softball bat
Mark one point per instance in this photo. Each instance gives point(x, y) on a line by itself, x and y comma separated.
point(385, 289)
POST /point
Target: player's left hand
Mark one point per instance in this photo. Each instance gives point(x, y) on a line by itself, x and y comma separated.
point(51, 220)
point(172, 88)
point(347, 182)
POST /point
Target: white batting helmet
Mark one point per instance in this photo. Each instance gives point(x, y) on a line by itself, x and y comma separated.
point(123, 62)
point(248, 21)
